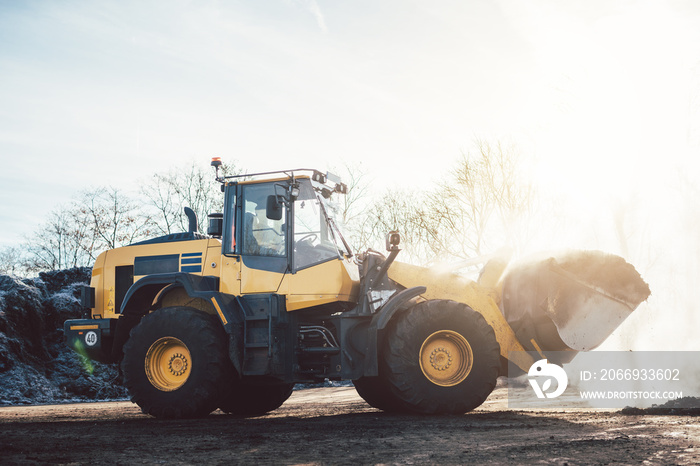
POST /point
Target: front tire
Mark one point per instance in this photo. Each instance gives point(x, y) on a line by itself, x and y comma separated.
point(174, 363)
point(440, 357)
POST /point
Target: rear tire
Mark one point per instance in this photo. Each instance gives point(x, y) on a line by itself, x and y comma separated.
point(440, 357)
point(377, 393)
point(245, 399)
point(174, 363)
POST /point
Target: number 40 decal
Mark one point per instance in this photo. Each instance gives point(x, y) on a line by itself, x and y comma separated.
point(91, 338)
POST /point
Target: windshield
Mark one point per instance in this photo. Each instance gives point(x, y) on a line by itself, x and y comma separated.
point(316, 237)
point(333, 212)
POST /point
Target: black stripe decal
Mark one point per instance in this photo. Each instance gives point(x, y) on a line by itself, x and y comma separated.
point(147, 265)
point(194, 260)
point(191, 268)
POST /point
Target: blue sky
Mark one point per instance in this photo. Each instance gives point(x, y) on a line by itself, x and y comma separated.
point(602, 97)
point(96, 93)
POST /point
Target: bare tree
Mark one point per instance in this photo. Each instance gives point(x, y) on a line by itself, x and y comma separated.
point(160, 196)
point(115, 219)
point(357, 180)
point(12, 261)
point(483, 206)
point(351, 208)
point(195, 187)
point(397, 210)
point(54, 245)
point(106, 218)
point(73, 235)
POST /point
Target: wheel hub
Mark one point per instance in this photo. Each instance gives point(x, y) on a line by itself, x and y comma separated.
point(178, 364)
point(446, 358)
point(440, 359)
point(167, 364)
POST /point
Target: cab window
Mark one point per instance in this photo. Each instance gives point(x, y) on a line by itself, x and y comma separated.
point(228, 237)
point(260, 236)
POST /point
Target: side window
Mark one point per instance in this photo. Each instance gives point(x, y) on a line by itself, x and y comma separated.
point(229, 233)
point(261, 236)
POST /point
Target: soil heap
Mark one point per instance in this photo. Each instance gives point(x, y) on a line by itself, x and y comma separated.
point(36, 366)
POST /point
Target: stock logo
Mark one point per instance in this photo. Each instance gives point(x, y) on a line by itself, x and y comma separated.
point(542, 370)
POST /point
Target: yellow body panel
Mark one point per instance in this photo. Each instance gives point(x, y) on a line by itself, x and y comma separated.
point(212, 259)
point(259, 281)
point(97, 282)
point(332, 281)
point(230, 275)
point(103, 273)
point(483, 300)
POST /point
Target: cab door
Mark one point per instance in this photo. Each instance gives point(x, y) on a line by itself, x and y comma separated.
point(262, 242)
point(322, 273)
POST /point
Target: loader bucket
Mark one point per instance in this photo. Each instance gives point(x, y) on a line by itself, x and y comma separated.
point(571, 301)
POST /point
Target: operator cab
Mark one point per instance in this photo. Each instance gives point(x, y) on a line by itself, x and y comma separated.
point(262, 211)
point(283, 232)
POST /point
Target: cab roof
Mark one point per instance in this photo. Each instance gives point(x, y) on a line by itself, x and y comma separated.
point(300, 173)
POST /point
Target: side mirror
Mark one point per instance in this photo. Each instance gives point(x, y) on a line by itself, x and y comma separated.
point(216, 225)
point(273, 210)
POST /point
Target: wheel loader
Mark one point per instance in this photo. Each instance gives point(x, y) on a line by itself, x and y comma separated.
point(273, 296)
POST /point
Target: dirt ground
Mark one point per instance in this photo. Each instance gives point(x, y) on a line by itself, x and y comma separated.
point(333, 425)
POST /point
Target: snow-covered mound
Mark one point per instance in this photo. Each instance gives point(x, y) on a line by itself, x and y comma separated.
point(35, 364)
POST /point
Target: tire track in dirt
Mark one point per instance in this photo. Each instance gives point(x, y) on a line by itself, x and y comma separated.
point(333, 425)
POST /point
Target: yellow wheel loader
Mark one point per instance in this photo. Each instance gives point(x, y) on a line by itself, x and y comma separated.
point(273, 296)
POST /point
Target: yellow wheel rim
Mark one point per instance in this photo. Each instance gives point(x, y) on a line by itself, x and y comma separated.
point(446, 358)
point(168, 364)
